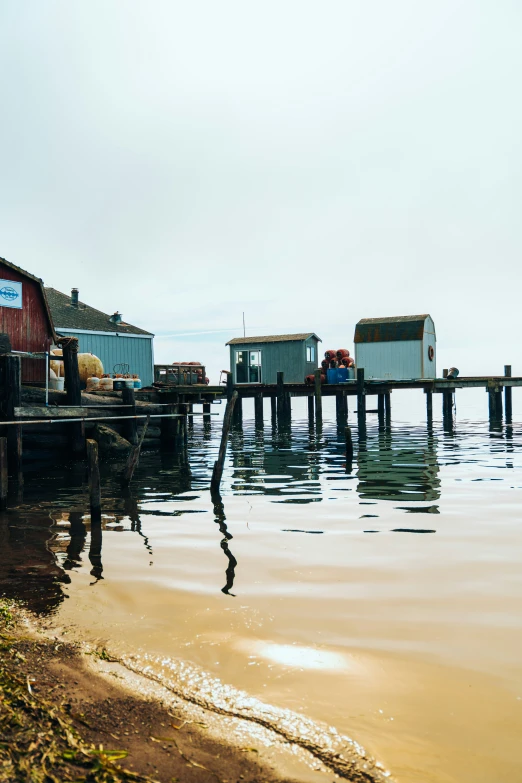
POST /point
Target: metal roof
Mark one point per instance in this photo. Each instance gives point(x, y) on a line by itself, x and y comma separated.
point(65, 316)
point(274, 338)
point(390, 329)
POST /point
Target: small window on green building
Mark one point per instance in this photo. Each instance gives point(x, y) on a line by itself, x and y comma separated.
point(310, 353)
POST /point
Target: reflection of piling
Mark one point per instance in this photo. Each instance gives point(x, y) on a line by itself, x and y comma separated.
point(217, 473)
point(95, 548)
point(318, 394)
point(3, 474)
point(349, 448)
point(94, 479)
point(507, 396)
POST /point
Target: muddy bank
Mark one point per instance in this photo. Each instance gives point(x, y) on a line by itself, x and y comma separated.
point(70, 715)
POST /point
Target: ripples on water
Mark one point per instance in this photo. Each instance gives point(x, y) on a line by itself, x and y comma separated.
point(290, 496)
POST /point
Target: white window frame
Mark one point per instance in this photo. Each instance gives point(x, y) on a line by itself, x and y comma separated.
point(310, 348)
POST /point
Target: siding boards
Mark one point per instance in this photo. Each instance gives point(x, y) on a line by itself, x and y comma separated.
point(137, 352)
point(287, 357)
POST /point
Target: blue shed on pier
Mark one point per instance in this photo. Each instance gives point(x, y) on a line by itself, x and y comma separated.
point(259, 359)
point(107, 336)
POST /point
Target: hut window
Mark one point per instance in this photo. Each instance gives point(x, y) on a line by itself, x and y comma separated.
point(248, 366)
point(310, 353)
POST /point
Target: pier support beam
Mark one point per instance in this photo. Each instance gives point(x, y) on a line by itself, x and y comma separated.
point(447, 407)
point(170, 431)
point(206, 413)
point(380, 410)
point(74, 393)
point(508, 410)
point(12, 391)
point(429, 406)
point(273, 409)
point(310, 409)
point(361, 402)
point(349, 449)
point(3, 474)
point(258, 410)
point(318, 394)
point(131, 428)
point(387, 406)
point(495, 403)
point(237, 416)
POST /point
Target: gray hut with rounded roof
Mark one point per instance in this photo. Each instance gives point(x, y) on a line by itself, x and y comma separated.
point(399, 348)
point(259, 359)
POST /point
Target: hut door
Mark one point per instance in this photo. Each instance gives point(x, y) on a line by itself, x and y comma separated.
point(248, 366)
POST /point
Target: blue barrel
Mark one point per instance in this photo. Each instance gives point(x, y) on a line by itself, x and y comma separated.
point(342, 374)
point(332, 375)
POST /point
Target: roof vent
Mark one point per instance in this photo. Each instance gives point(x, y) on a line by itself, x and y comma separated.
point(115, 318)
point(74, 297)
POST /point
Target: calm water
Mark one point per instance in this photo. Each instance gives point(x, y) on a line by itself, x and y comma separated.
point(386, 601)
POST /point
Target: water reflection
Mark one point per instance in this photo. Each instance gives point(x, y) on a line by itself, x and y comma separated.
point(50, 538)
point(401, 467)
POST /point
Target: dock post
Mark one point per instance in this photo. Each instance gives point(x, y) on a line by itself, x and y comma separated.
point(310, 408)
point(217, 473)
point(318, 397)
point(237, 418)
point(230, 386)
point(73, 392)
point(131, 428)
point(94, 479)
point(280, 397)
point(258, 410)
point(429, 406)
point(340, 407)
point(273, 409)
point(508, 410)
point(361, 402)
point(447, 407)
point(3, 474)
point(206, 413)
point(133, 458)
point(380, 410)
point(387, 406)
point(172, 435)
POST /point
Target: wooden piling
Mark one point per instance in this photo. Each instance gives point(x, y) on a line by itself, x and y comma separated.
point(508, 409)
point(380, 410)
point(12, 400)
point(429, 406)
point(318, 396)
point(217, 473)
point(206, 413)
point(230, 386)
point(237, 418)
point(130, 429)
point(94, 479)
point(73, 392)
point(310, 408)
point(387, 405)
point(171, 432)
point(258, 410)
point(3, 474)
point(273, 409)
point(134, 457)
point(341, 410)
point(361, 400)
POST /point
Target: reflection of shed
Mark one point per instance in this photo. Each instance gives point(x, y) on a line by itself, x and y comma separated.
point(259, 359)
point(399, 348)
point(107, 336)
point(25, 317)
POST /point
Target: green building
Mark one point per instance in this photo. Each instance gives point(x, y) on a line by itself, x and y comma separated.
point(259, 359)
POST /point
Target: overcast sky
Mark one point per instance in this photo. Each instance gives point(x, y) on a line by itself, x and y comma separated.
point(309, 163)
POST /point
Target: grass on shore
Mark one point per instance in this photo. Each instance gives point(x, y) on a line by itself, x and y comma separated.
point(38, 741)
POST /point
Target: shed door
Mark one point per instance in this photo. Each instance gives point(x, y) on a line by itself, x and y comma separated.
point(248, 366)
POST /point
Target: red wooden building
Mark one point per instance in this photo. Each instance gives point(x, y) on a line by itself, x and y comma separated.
point(25, 317)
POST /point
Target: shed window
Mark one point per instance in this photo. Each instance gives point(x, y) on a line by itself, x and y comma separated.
point(310, 353)
point(248, 366)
